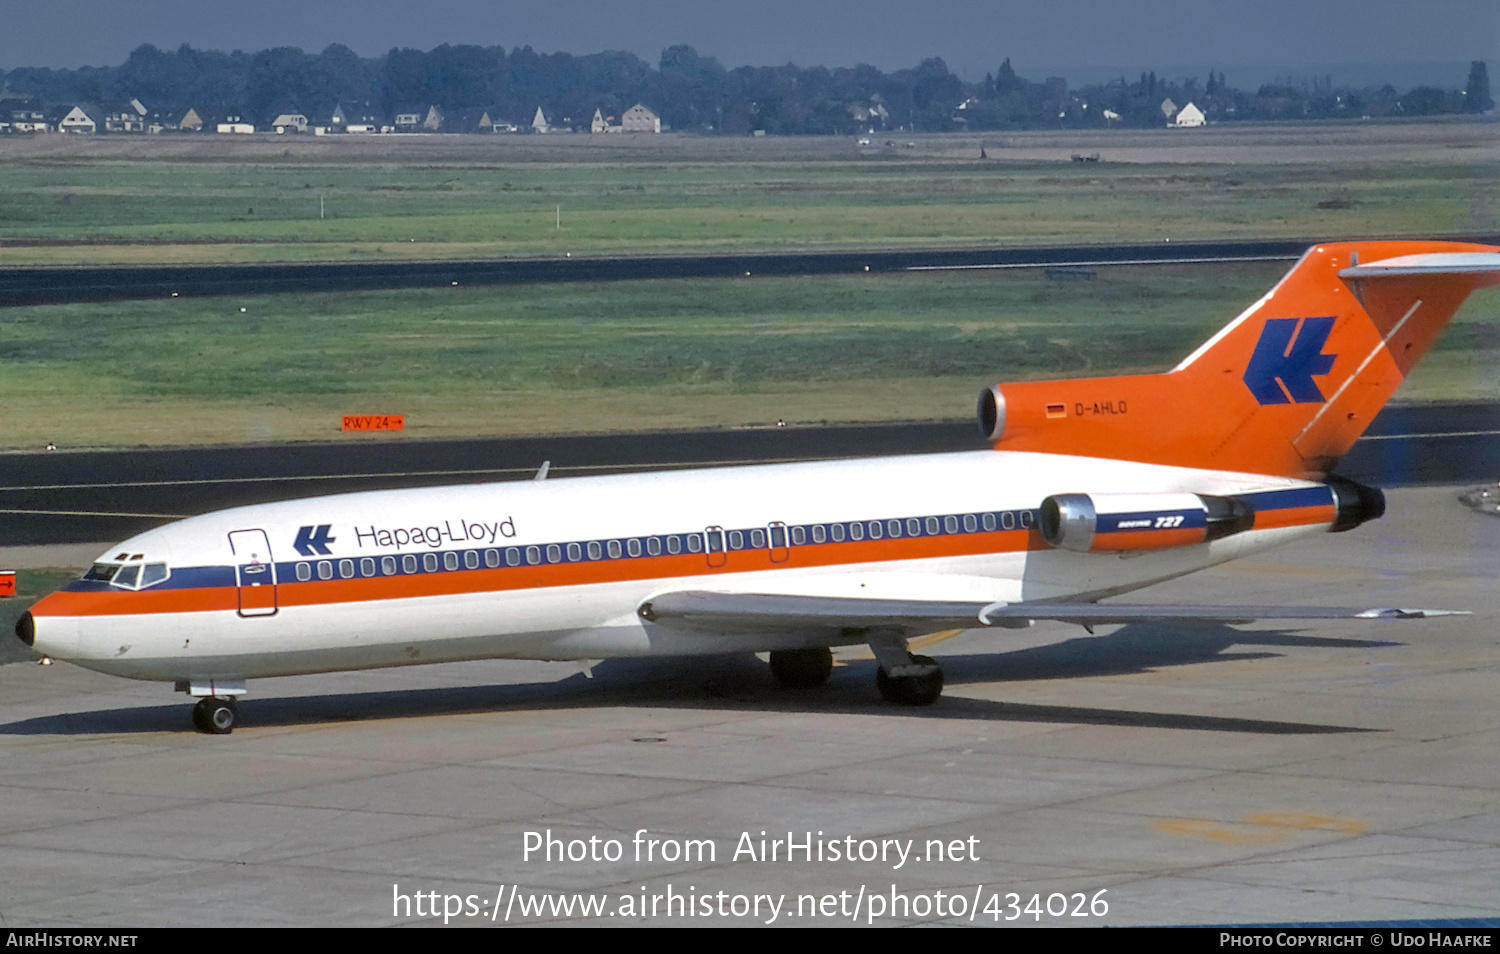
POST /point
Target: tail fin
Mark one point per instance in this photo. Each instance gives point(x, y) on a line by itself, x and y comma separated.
point(1286, 388)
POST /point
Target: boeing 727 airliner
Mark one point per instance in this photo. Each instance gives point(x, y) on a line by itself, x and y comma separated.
point(1093, 488)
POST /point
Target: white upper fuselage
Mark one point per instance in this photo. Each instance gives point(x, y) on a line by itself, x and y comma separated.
point(557, 568)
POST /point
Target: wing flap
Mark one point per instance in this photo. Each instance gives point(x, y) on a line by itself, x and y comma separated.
point(702, 608)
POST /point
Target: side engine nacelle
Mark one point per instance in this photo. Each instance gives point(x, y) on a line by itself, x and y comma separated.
point(1108, 523)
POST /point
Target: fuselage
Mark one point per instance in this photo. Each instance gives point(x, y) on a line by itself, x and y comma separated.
point(556, 569)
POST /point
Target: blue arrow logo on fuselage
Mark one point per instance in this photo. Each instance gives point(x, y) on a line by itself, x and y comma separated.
point(313, 541)
point(1281, 371)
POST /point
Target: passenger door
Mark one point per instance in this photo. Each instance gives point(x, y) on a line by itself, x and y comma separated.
point(255, 572)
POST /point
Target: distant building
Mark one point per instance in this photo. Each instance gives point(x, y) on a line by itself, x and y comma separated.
point(598, 125)
point(233, 125)
point(1189, 116)
point(190, 122)
point(289, 122)
point(79, 119)
point(539, 122)
point(640, 119)
point(434, 120)
point(408, 122)
point(129, 118)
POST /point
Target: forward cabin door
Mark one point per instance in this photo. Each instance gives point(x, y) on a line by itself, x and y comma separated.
point(255, 572)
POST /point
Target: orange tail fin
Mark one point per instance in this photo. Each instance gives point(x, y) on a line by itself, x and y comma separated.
point(1286, 388)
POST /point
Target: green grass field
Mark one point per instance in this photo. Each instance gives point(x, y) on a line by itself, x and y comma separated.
point(621, 356)
point(65, 212)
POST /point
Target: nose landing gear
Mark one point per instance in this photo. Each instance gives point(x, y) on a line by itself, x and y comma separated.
point(215, 716)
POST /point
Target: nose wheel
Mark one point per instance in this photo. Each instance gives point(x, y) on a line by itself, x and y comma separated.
point(215, 716)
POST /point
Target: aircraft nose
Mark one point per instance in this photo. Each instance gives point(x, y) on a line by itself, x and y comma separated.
point(26, 629)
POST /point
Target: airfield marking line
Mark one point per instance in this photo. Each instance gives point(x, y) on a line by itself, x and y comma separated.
point(411, 473)
point(1097, 264)
point(1402, 437)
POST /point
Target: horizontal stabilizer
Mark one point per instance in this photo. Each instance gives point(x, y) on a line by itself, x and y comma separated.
point(1432, 263)
point(701, 608)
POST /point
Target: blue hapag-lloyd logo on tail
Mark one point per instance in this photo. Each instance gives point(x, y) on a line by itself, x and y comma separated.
point(1286, 360)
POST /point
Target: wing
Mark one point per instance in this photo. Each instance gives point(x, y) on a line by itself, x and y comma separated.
point(704, 609)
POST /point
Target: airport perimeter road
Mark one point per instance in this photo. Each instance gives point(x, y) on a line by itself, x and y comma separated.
point(45, 285)
point(1321, 772)
point(88, 496)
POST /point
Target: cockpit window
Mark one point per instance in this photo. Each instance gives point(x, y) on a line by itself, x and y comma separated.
point(102, 572)
point(131, 576)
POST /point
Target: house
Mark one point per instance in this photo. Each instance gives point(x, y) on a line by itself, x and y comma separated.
point(129, 118)
point(233, 125)
point(408, 122)
point(539, 122)
point(190, 122)
point(598, 125)
point(79, 118)
point(289, 122)
point(434, 120)
point(1189, 116)
point(640, 119)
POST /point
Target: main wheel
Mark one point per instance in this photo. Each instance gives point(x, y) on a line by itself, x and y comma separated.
point(215, 716)
point(911, 690)
point(802, 668)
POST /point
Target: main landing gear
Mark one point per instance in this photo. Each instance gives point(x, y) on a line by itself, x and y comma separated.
point(215, 716)
point(903, 679)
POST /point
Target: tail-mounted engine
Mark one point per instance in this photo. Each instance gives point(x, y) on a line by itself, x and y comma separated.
point(1104, 523)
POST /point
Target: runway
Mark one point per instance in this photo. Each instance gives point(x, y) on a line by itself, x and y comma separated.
point(1330, 772)
point(58, 285)
point(90, 496)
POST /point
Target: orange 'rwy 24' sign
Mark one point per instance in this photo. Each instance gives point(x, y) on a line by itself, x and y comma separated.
point(373, 422)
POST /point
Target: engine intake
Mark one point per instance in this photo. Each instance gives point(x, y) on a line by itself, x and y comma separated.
point(1107, 523)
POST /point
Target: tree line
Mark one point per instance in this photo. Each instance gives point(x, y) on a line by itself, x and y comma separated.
point(688, 90)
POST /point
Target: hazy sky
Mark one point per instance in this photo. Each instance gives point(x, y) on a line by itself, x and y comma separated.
point(971, 35)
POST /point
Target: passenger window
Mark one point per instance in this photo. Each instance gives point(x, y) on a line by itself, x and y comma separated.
point(512, 556)
point(799, 535)
point(875, 533)
point(633, 547)
point(736, 540)
point(1008, 520)
point(388, 565)
point(971, 523)
point(430, 562)
point(913, 527)
point(820, 533)
point(367, 567)
point(595, 550)
point(554, 553)
point(856, 531)
point(450, 560)
point(695, 543)
point(757, 538)
point(613, 547)
point(653, 546)
point(325, 570)
point(674, 544)
point(409, 563)
point(533, 555)
point(346, 568)
point(933, 526)
point(492, 558)
point(837, 532)
point(153, 573)
point(304, 572)
point(989, 521)
point(575, 553)
point(1026, 519)
point(471, 559)
point(950, 524)
point(893, 528)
